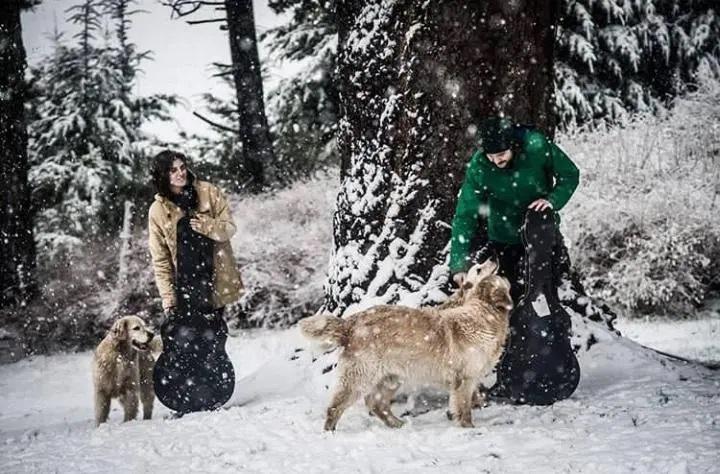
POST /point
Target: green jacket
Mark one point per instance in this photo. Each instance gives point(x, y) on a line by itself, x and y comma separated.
point(539, 169)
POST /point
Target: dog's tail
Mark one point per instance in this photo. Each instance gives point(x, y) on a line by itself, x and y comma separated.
point(330, 331)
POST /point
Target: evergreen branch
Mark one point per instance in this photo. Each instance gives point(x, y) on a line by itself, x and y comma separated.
point(215, 124)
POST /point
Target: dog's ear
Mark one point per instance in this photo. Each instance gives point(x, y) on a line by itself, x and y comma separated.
point(119, 329)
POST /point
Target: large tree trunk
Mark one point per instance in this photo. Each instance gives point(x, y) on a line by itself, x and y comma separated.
point(257, 152)
point(416, 79)
point(17, 245)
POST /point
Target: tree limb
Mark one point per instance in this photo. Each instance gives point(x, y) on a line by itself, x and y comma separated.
point(178, 5)
point(212, 20)
point(215, 124)
point(223, 74)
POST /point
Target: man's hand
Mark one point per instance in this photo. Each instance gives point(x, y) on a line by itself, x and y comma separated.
point(459, 278)
point(540, 205)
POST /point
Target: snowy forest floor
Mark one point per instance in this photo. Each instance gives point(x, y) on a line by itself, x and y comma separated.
point(633, 412)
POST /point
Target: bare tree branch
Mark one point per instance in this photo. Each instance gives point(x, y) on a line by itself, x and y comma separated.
point(215, 124)
point(225, 69)
point(211, 20)
point(178, 6)
point(223, 74)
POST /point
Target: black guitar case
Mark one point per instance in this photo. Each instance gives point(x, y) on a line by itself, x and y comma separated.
point(194, 372)
point(539, 366)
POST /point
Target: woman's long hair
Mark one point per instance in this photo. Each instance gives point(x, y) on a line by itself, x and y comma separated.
point(162, 164)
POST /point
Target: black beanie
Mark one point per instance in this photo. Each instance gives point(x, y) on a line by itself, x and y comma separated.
point(496, 135)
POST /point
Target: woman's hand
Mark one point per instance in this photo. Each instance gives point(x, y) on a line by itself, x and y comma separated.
point(540, 205)
point(202, 224)
point(459, 278)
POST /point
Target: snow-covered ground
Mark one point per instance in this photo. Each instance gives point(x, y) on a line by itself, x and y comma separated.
point(633, 412)
point(695, 339)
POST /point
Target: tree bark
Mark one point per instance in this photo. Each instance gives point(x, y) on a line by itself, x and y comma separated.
point(416, 79)
point(257, 151)
point(17, 245)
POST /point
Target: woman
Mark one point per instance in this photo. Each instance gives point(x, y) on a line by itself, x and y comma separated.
point(208, 276)
point(190, 226)
point(517, 168)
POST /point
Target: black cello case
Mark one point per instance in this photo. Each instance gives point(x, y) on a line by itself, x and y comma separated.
point(539, 366)
point(194, 372)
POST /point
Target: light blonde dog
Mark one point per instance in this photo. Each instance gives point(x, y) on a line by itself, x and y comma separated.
point(122, 368)
point(452, 347)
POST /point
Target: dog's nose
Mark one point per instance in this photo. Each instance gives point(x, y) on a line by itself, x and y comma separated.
point(151, 334)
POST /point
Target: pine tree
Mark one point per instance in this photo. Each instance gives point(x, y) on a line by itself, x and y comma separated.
point(253, 154)
point(128, 59)
point(614, 58)
point(84, 135)
point(412, 96)
point(213, 151)
point(120, 11)
point(619, 57)
point(303, 108)
point(17, 245)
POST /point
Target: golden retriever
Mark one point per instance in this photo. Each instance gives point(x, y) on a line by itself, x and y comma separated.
point(122, 368)
point(453, 347)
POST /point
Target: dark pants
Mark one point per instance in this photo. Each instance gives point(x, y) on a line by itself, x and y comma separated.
point(511, 259)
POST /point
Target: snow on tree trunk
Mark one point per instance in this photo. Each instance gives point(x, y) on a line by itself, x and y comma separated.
point(17, 245)
point(257, 152)
point(416, 79)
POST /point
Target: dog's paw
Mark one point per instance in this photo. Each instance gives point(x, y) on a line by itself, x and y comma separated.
point(467, 424)
point(394, 423)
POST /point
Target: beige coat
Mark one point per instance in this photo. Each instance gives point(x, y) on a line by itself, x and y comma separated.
point(217, 224)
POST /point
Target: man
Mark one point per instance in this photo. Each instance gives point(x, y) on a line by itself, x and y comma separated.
point(516, 171)
point(516, 168)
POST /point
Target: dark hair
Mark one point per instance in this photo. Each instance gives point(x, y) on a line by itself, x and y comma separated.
point(162, 164)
